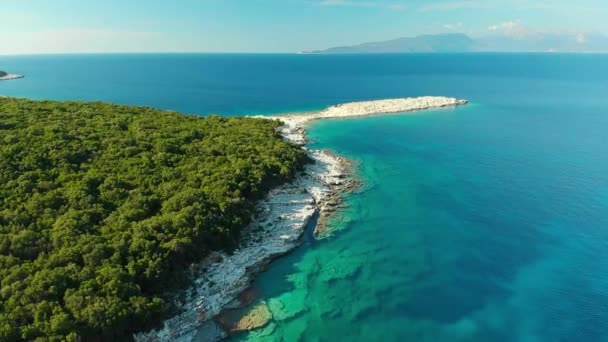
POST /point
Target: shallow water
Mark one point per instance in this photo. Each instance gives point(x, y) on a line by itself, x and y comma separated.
point(465, 231)
point(481, 223)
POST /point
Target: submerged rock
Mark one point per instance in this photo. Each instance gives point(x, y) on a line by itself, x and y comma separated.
point(341, 266)
point(288, 305)
point(245, 319)
point(243, 299)
point(266, 331)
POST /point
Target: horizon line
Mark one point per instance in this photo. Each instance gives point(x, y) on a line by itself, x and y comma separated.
point(296, 53)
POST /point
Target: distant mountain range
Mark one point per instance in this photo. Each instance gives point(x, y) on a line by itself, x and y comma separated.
point(457, 42)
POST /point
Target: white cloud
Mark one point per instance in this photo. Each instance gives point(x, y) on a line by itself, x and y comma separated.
point(518, 5)
point(452, 5)
point(512, 28)
point(454, 27)
point(507, 25)
point(516, 29)
point(355, 3)
point(344, 3)
point(580, 38)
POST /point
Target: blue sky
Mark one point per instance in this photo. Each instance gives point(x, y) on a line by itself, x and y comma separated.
point(68, 26)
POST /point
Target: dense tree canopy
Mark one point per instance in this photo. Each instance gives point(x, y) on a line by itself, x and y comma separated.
point(102, 207)
point(3, 73)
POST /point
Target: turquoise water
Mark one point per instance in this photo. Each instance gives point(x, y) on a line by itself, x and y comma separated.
point(487, 222)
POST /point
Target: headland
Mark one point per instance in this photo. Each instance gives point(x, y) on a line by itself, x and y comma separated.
point(284, 216)
point(5, 76)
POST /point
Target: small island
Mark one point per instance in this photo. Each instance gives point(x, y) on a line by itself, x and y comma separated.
point(5, 76)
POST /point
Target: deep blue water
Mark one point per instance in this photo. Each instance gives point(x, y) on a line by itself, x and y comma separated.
point(487, 222)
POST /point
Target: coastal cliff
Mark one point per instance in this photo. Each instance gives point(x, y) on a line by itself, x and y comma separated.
point(284, 216)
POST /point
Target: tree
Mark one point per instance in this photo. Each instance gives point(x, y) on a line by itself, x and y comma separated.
point(103, 207)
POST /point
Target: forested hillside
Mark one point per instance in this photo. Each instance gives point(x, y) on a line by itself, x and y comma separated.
point(102, 207)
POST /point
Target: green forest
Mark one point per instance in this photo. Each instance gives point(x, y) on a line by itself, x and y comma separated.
point(3, 73)
point(103, 207)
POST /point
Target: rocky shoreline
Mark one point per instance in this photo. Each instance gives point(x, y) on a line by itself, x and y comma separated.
point(278, 229)
point(10, 77)
point(215, 306)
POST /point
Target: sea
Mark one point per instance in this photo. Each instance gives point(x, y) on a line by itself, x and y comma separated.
point(486, 222)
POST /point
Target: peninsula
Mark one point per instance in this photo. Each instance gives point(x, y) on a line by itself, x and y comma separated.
point(294, 122)
point(5, 76)
point(118, 216)
point(283, 218)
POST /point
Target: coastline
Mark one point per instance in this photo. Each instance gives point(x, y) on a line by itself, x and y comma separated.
point(221, 279)
point(10, 77)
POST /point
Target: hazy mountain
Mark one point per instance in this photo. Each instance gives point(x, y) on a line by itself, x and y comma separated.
point(457, 42)
point(425, 43)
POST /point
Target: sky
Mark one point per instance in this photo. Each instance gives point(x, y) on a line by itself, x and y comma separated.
point(89, 26)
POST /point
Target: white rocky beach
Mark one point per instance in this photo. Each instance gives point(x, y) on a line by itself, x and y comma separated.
point(284, 217)
point(10, 77)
